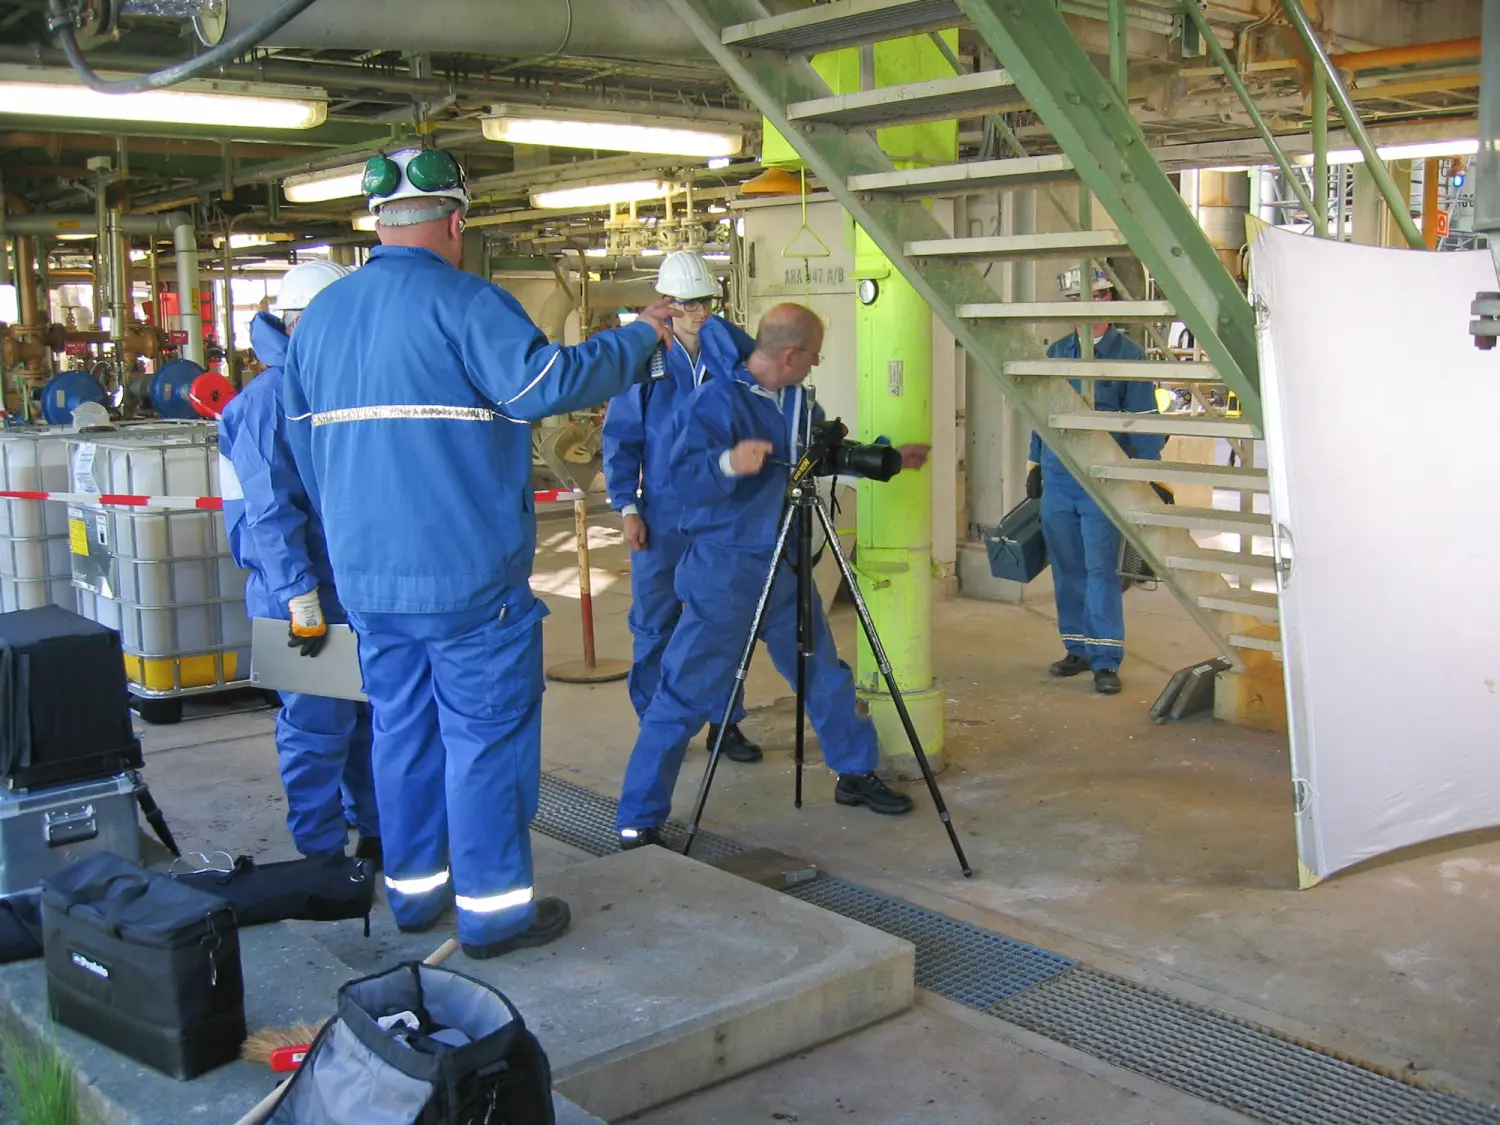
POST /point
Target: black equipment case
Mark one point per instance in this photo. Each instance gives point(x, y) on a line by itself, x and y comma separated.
point(145, 965)
point(64, 704)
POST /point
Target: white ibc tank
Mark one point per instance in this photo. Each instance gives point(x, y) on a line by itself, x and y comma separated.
point(34, 568)
point(163, 578)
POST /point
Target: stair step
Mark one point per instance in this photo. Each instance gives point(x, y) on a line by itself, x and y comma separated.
point(1251, 602)
point(1061, 244)
point(1202, 519)
point(1151, 372)
point(1185, 472)
point(1075, 312)
point(1265, 638)
point(843, 23)
point(1186, 425)
point(974, 176)
point(1252, 568)
point(937, 99)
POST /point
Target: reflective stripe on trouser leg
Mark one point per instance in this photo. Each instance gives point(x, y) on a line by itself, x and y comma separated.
point(314, 737)
point(487, 674)
point(1065, 551)
point(408, 764)
point(846, 737)
point(1104, 607)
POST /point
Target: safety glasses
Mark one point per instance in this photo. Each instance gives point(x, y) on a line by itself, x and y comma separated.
point(431, 170)
point(708, 305)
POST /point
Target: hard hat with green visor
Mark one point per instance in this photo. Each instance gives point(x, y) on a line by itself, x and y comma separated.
point(414, 173)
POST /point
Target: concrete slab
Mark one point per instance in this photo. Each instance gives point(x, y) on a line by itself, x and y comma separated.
point(676, 976)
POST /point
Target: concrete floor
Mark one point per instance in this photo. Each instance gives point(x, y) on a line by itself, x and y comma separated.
point(1164, 854)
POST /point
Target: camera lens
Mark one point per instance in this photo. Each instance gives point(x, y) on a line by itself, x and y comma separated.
point(873, 462)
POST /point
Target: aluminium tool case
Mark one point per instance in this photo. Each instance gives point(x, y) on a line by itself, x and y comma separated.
point(44, 830)
point(143, 964)
point(1017, 550)
point(64, 704)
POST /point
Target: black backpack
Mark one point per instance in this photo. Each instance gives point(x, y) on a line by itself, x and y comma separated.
point(454, 1051)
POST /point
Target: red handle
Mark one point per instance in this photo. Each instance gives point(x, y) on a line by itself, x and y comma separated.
point(289, 1058)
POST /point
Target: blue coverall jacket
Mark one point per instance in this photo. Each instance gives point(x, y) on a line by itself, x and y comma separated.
point(323, 745)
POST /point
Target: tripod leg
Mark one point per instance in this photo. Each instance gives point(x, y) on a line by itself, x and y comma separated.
point(155, 819)
point(739, 681)
point(804, 634)
point(868, 624)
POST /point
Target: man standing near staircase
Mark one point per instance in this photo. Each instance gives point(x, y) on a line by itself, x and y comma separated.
point(1082, 544)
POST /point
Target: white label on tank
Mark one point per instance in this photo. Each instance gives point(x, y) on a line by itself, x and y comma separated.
point(83, 468)
point(895, 372)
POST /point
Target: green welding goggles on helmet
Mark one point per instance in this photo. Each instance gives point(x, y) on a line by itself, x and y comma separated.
point(414, 173)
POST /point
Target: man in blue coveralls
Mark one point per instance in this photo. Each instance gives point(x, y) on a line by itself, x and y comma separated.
point(322, 744)
point(639, 430)
point(410, 386)
point(1082, 544)
point(737, 438)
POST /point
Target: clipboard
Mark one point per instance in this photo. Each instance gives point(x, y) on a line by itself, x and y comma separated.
point(334, 672)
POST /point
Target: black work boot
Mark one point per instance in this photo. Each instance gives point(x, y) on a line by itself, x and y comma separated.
point(868, 790)
point(369, 848)
point(632, 838)
point(1070, 665)
point(1107, 681)
point(549, 924)
point(737, 748)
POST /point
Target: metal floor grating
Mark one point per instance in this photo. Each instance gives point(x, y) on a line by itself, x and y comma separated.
point(1230, 1062)
point(966, 963)
point(586, 819)
point(1224, 1060)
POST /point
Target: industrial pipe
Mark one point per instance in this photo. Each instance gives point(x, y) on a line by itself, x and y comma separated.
point(1400, 208)
point(119, 280)
point(618, 29)
point(25, 278)
point(1414, 54)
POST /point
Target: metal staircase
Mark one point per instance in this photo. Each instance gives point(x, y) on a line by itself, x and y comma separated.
point(1104, 150)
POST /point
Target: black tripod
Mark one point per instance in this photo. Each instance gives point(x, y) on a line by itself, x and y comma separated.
point(803, 503)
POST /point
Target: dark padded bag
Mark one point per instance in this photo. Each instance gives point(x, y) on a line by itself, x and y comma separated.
point(357, 1073)
point(1017, 550)
point(20, 927)
point(314, 889)
point(143, 964)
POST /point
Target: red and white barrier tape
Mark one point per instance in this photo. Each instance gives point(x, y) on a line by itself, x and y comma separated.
point(200, 503)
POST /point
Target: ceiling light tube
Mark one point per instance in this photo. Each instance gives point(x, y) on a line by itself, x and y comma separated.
point(618, 132)
point(362, 220)
point(34, 91)
point(331, 183)
point(1420, 150)
point(601, 195)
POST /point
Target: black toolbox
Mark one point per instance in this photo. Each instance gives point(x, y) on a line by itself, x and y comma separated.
point(64, 704)
point(144, 964)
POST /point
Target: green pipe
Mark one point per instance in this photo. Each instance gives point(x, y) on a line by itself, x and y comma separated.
point(1400, 208)
point(1119, 64)
point(1216, 52)
point(1320, 147)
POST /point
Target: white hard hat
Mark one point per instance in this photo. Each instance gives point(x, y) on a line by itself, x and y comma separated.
point(304, 282)
point(1068, 282)
point(414, 173)
point(687, 277)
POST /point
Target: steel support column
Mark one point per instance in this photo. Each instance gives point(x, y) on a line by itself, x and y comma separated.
point(1093, 126)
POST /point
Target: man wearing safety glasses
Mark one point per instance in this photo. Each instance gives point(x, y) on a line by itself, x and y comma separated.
point(639, 430)
point(410, 386)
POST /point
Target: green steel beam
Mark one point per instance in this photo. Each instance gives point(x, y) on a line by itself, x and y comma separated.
point(1119, 64)
point(1320, 149)
point(1092, 124)
point(1400, 208)
point(1216, 52)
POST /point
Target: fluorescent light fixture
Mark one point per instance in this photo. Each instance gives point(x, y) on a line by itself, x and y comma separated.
point(620, 132)
point(36, 91)
point(1418, 151)
point(362, 220)
point(653, 252)
point(596, 252)
point(319, 187)
point(716, 257)
point(601, 195)
point(718, 162)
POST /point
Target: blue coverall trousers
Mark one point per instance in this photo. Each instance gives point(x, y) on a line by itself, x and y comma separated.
point(323, 750)
point(718, 588)
point(654, 612)
point(458, 747)
point(1084, 548)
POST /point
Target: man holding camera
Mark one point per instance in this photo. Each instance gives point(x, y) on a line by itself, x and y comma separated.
point(738, 439)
